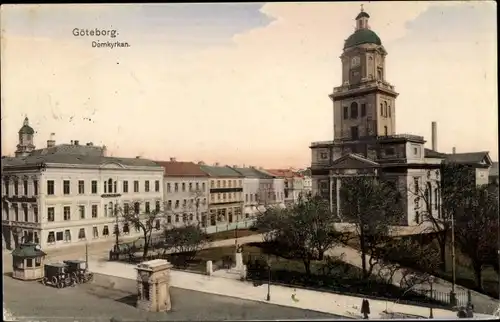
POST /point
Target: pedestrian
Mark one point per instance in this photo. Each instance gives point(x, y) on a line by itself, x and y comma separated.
point(365, 308)
point(294, 296)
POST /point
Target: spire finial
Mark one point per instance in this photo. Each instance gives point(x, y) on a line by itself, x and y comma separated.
point(362, 10)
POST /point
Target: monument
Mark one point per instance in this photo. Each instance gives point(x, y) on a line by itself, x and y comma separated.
point(153, 285)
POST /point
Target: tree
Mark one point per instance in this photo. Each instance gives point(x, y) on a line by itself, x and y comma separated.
point(441, 198)
point(373, 206)
point(476, 227)
point(145, 221)
point(188, 240)
point(304, 231)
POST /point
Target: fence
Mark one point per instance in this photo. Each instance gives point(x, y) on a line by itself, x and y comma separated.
point(230, 226)
point(444, 297)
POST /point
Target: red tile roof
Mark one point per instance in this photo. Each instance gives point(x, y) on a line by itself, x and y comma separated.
point(181, 169)
point(285, 173)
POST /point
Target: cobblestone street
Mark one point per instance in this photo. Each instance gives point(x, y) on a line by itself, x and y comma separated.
point(33, 301)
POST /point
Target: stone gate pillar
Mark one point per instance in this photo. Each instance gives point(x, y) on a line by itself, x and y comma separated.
point(153, 285)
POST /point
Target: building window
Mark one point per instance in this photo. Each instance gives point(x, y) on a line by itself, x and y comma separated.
point(81, 187)
point(66, 187)
point(81, 234)
point(381, 109)
point(157, 206)
point(115, 188)
point(126, 229)
point(176, 187)
point(183, 187)
point(168, 187)
point(157, 185)
point(203, 186)
point(246, 197)
point(67, 235)
point(137, 208)
point(346, 112)
point(380, 74)
point(212, 183)
point(59, 236)
point(176, 218)
point(125, 186)
point(95, 232)
point(218, 183)
point(146, 185)
point(25, 187)
point(50, 187)
point(94, 211)
point(191, 217)
point(50, 214)
point(385, 131)
point(16, 188)
point(126, 208)
point(157, 224)
point(197, 186)
point(105, 210)
point(389, 110)
point(415, 184)
point(110, 185)
point(25, 212)
point(147, 207)
point(6, 183)
point(223, 183)
point(354, 110)
point(93, 186)
point(169, 204)
point(184, 203)
point(81, 210)
point(116, 230)
point(177, 204)
point(105, 187)
point(35, 213)
point(169, 219)
point(51, 238)
point(385, 109)
point(136, 186)
point(105, 231)
point(354, 132)
point(67, 213)
point(363, 110)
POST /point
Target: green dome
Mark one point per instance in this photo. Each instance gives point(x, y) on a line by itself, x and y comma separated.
point(362, 36)
point(26, 128)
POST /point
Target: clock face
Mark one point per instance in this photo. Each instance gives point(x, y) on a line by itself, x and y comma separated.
point(355, 61)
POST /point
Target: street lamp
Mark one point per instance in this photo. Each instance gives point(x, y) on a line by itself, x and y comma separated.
point(268, 298)
point(453, 301)
point(431, 282)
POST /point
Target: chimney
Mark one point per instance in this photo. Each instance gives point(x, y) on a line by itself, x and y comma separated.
point(216, 164)
point(90, 144)
point(235, 165)
point(434, 136)
point(201, 163)
point(453, 150)
point(71, 142)
point(104, 151)
point(77, 142)
point(173, 160)
point(138, 157)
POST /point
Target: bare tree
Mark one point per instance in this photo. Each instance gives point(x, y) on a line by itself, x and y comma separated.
point(373, 206)
point(304, 231)
point(144, 221)
point(476, 227)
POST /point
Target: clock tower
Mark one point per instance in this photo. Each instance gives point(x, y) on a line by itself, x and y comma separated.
point(364, 105)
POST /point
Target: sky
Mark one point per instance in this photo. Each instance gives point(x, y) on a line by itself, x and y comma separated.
point(240, 84)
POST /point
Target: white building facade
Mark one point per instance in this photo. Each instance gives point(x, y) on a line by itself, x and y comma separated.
point(185, 189)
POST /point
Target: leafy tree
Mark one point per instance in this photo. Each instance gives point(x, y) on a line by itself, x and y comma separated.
point(373, 206)
point(185, 239)
point(304, 231)
point(476, 227)
point(144, 221)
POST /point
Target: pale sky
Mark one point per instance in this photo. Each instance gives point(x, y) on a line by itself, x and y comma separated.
point(240, 83)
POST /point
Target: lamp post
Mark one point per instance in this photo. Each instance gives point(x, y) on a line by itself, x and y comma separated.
point(268, 298)
point(453, 301)
point(431, 282)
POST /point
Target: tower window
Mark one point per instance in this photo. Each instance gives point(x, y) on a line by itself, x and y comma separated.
point(363, 110)
point(380, 73)
point(346, 112)
point(354, 110)
point(381, 109)
point(389, 110)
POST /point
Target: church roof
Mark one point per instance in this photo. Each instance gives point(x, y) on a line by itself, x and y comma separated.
point(362, 36)
point(26, 128)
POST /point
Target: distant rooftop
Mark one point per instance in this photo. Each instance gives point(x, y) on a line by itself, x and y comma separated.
point(283, 173)
point(222, 172)
point(406, 137)
point(181, 169)
point(469, 158)
point(253, 173)
point(88, 150)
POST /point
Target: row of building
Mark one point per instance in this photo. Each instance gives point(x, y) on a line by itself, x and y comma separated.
point(68, 193)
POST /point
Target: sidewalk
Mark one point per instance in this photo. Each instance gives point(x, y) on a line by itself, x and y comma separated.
point(347, 306)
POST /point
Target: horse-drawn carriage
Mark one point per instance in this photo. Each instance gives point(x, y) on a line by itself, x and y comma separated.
point(56, 274)
point(78, 271)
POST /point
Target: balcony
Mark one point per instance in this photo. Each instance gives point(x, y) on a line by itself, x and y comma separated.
point(111, 195)
point(364, 85)
point(19, 198)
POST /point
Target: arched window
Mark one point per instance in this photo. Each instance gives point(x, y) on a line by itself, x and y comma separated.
point(354, 110)
point(429, 196)
point(110, 186)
